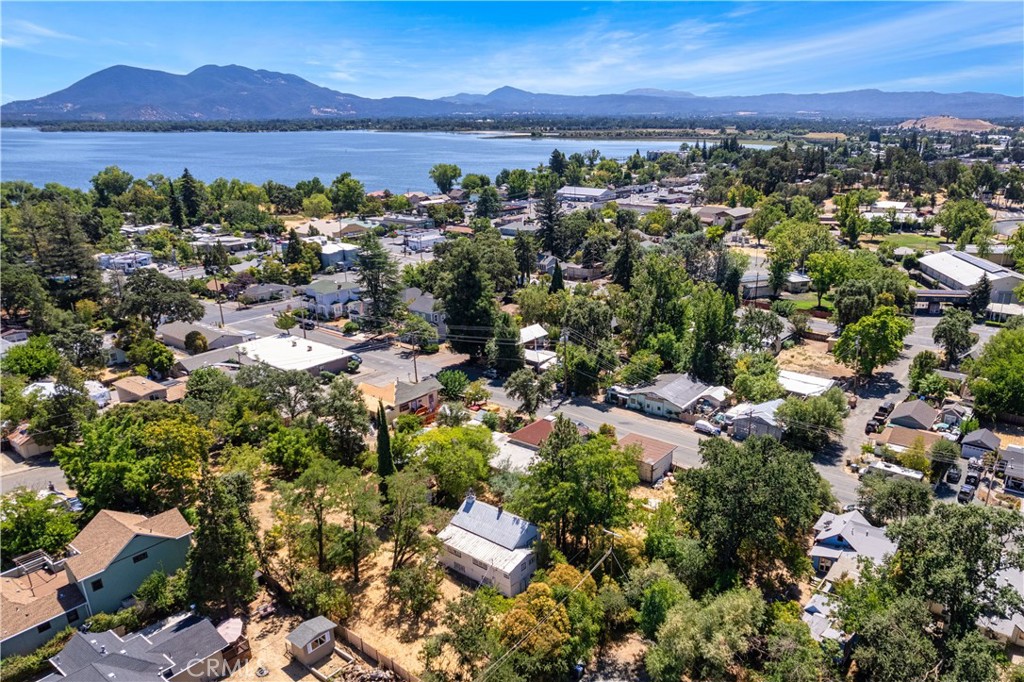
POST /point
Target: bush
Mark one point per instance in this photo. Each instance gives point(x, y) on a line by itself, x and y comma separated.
point(317, 594)
point(130, 619)
point(788, 343)
point(491, 421)
point(416, 588)
point(350, 327)
point(430, 348)
point(783, 308)
point(33, 665)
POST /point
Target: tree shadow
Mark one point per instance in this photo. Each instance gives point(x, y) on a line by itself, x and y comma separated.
point(882, 385)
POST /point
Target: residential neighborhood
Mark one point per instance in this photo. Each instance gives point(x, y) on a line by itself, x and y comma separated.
point(525, 423)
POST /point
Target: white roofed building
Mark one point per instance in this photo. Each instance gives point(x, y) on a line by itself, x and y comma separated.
point(490, 546)
point(803, 385)
point(285, 351)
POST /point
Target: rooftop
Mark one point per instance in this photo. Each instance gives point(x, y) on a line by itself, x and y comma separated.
point(803, 384)
point(494, 524)
point(285, 351)
point(652, 450)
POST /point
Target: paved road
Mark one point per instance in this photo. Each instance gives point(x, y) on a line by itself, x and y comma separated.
point(35, 475)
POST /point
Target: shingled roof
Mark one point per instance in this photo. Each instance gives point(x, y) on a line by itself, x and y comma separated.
point(109, 533)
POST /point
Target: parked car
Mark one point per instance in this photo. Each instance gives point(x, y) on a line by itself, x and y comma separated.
point(972, 478)
point(706, 427)
point(887, 407)
point(871, 427)
point(966, 494)
point(953, 475)
point(850, 508)
point(307, 323)
point(491, 373)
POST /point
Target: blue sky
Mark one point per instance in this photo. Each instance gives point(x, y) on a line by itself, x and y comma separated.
point(436, 49)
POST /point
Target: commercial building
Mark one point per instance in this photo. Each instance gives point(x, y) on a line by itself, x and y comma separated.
point(340, 254)
point(127, 261)
point(489, 546)
point(959, 270)
point(587, 195)
point(287, 352)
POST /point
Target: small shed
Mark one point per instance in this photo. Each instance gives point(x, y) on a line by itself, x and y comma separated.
point(312, 640)
point(654, 458)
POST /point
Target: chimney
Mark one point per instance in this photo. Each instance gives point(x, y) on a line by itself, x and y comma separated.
point(295, 342)
point(103, 649)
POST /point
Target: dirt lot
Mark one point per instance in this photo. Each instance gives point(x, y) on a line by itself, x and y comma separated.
point(622, 660)
point(812, 357)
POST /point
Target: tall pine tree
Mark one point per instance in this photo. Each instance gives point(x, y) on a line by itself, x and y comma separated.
point(221, 564)
point(192, 198)
point(550, 216)
point(557, 281)
point(385, 459)
point(381, 283)
point(177, 213)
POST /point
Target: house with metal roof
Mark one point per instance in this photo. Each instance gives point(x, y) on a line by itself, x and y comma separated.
point(180, 649)
point(960, 270)
point(588, 195)
point(489, 546)
point(749, 419)
point(848, 534)
point(803, 385)
point(670, 395)
point(174, 334)
point(98, 572)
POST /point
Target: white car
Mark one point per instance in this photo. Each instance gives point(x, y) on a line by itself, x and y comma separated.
point(706, 427)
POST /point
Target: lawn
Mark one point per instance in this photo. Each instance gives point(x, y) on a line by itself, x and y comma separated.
point(809, 301)
point(911, 240)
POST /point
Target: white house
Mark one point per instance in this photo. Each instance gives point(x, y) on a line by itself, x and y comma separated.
point(959, 270)
point(127, 262)
point(490, 546)
point(850, 535)
point(423, 241)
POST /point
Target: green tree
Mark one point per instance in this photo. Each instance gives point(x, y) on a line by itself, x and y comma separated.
point(416, 588)
point(997, 377)
point(955, 556)
point(445, 176)
point(156, 298)
point(963, 217)
point(759, 329)
point(467, 295)
point(453, 383)
point(767, 216)
point(826, 270)
point(888, 499)
point(314, 498)
point(488, 203)
point(221, 564)
point(812, 423)
point(557, 282)
point(895, 645)
point(343, 412)
point(873, 341)
point(141, 458)
point(457, 456)
point(359, 502)
point(193, 198)
point(953, 333)
point(319, 594)
point(923, 364)
point(290, 449)
point(714, 327)
point(752, 506)
point(195, 342)
point(286, 322)
point(627, 253)
point(109, 184)
point(706, 642)
point(385, 458)
point(34, 359)
point(549, 216)
point(346, 194)
point(757, 378)
point(29, 522)
point(980, 296)
point(407, 511)
point(316, 205)
point(381, 283)
point(529, 389)
point(526, 260)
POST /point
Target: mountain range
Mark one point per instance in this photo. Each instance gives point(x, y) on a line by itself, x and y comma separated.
point(213, 93)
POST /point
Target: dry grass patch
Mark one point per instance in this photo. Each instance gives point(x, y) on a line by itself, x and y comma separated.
point(812, 357)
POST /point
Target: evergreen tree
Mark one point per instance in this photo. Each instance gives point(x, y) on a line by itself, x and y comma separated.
point(221, 564)
point(65, 260)
point(980, 296)
point(627, 253)
point(467, 294)
point(293, 251)
point(381, 283)
point(526, 257)
point(191, 198)
point(550, 217)
point(177, 213)
point(385, 459)
point(557, 283)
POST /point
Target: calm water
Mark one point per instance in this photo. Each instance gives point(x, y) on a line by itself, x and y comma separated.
point(396, 161)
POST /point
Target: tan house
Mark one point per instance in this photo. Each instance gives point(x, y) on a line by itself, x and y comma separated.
point(654, 457)
point(403, 397)
point(25, 445)
point(135, 389)
point(312, 640)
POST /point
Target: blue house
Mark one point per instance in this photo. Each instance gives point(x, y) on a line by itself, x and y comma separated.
point(98, 572)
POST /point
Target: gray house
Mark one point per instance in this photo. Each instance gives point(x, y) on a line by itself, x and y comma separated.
point(422, 304)
point(312, 640)
point(748, 419)
point(175, 333)
point(980, 444)
point(186, 649)
point(916, 414)
point(669, 396)
point(98, 572)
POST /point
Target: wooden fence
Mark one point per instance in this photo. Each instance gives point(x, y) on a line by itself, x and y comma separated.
point(384, 662)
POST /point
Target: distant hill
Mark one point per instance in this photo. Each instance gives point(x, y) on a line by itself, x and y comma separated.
point(949, 124)
point(214, 93)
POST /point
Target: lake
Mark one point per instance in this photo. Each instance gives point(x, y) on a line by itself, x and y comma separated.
point(395, 161)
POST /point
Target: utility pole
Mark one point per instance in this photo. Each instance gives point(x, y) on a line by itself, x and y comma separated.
point(565, 361)
point(415, 369)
